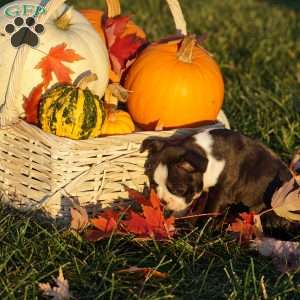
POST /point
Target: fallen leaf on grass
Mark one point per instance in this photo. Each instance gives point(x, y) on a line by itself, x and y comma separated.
point(150, 222)
point(285, 254)
point(52, 63)
point(58, 292)
point(244, 226)
point(107, 221)
point(286, 201)
point(79, 217)
point(145, 272)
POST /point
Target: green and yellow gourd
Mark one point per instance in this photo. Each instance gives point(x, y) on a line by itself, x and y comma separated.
point(72, 111)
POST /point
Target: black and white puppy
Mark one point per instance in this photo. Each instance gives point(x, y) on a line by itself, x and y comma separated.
point(230, 166)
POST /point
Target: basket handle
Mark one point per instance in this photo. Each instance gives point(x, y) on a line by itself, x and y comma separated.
point(114, 9)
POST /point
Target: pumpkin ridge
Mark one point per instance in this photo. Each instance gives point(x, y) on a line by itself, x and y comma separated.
point(53, 108)
point(90, 111)
point(58, 111)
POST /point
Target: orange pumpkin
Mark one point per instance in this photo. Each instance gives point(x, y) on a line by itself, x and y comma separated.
point(117, 122)
point(177, 84)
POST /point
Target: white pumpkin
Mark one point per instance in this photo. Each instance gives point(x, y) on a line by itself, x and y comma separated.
point(79, 36)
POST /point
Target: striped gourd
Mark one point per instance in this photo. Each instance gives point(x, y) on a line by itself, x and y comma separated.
point(73, 112)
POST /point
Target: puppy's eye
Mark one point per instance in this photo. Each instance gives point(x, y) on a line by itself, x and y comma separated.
point(186, 166)
point(177, 189)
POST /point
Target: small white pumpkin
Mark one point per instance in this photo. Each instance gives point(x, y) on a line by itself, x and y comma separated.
point(79, 35)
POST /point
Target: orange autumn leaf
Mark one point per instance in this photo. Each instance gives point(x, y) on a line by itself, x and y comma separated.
point(244, 225)
point(52, 63)
point(31, 104)
point(107, 222)
point(154, 200)
point(137, 225)
point(149, 223)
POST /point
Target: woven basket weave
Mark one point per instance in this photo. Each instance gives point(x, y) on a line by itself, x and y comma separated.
point(37, 170)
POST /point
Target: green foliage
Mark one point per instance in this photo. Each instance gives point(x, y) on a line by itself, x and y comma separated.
point(257, 45)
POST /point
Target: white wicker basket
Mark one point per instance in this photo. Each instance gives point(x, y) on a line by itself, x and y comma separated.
point(38, 169)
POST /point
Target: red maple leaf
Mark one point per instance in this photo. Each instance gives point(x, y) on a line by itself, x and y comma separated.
point(52, 63)
point(151, 222)
point(124, 49)
point(31, 104)
point(107, 222)
point(137, 196)
point(124, 39)
point(244, 225)
point(136, 224)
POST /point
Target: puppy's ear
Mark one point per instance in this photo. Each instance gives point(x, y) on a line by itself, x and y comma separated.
point(193, 162)
point(152, 145)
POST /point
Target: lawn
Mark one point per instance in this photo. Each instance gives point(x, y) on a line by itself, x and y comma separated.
point(257, 44)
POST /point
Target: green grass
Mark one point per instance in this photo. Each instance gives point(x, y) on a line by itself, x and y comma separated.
point(256, 43)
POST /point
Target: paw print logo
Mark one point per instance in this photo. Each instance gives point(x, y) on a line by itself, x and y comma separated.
point(24, 31)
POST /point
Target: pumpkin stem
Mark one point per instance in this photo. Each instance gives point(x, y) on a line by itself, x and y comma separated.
point(185, 52)
point(113, 8)
point(63, 22)
point(111, 115)
point(84, 79)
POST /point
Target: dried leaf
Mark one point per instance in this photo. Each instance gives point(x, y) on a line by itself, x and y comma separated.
point(286, 201)
point(52, 63)
point(285, 254)
point(145, 272)
point(79, 217)
point(31, 104)
point(58, 292)
point(115, 93)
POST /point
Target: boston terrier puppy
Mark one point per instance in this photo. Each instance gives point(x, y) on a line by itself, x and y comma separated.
point(232, 168)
